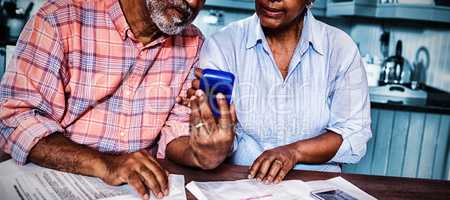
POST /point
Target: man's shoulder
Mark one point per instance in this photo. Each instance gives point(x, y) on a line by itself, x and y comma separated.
point(67, 9)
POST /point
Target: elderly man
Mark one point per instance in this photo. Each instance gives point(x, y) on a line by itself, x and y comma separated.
point(91, 89)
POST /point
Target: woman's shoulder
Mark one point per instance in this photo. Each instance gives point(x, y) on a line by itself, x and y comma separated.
point(336, 38)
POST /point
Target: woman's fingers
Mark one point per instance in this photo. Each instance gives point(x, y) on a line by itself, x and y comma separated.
point(273, 172)
point(264, 168)
point(283, 172)
point(254, 169)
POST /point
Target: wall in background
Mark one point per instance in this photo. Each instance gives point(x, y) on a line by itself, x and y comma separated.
point(366, 33)
point(435, 37)
point(228, 16)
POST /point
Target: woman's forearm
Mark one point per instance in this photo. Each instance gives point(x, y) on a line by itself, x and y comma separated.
point(319, 149)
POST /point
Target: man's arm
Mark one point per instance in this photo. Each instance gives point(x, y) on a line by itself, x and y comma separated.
point(58, 152)
point(138, 169)
point(33, 102)
point(210, 139)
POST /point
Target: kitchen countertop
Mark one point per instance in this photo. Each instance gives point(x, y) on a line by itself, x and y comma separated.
point(438, 102)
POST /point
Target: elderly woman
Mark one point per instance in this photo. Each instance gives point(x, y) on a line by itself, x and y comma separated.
point(301, 94)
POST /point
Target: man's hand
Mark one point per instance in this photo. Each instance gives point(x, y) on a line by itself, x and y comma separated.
point(211, 139)
point(195, 85)
point(138, 169)
point(273, 165)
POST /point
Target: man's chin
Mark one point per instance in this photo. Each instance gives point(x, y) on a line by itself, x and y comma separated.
point(174, 27)
point(172, 30)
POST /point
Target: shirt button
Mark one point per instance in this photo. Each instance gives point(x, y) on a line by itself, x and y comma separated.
point(127, 93)
point(122, 134)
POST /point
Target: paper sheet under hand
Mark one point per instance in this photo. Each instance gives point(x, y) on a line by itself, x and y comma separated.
point(32, 182)
point(248, 189)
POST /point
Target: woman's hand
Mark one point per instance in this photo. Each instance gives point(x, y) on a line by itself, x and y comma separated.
point(273, 165)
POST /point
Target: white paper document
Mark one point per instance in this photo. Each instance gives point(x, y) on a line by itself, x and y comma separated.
point(32, 182)
point(248, 189)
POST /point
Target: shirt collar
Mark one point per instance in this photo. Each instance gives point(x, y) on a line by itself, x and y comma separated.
point(118, 18)
point(312, 33)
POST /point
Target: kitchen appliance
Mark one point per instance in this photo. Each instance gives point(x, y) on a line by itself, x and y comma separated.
point(395, 81)
point(395, 69)
point(421, 64)
point(397, 94)
point(384, 44)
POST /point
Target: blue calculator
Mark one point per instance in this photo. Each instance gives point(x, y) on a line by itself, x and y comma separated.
point(214, 82)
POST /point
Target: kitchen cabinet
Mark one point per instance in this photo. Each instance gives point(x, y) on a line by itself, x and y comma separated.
point(408, 141)
point(375, 9)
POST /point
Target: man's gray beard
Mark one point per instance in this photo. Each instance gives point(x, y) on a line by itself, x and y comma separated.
point(169, 25)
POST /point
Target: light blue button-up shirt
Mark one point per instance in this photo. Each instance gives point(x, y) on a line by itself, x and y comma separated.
point(325, 89)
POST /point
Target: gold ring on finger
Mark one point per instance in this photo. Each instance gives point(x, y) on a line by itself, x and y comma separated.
point(279, 162)
point(199, 125)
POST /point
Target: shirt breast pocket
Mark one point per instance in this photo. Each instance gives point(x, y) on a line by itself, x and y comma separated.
point(159, 97)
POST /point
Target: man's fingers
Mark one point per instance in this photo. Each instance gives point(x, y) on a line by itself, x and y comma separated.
point(158, 172)
point(190, 93)
point(273, 172)
point(233, 114)
point(195, 111)
point(196, 84)
point(198, 73)
point(150, 181)
point(225, 116)
point(182, 101)
point(135, 181)
point(205, 110)
point(198, 129)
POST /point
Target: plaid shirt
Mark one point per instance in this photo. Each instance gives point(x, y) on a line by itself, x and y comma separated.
point(79, 70)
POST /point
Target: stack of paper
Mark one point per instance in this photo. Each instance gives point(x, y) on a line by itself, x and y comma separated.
point(249, 190)
point(32, 182)
point(286, 190)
